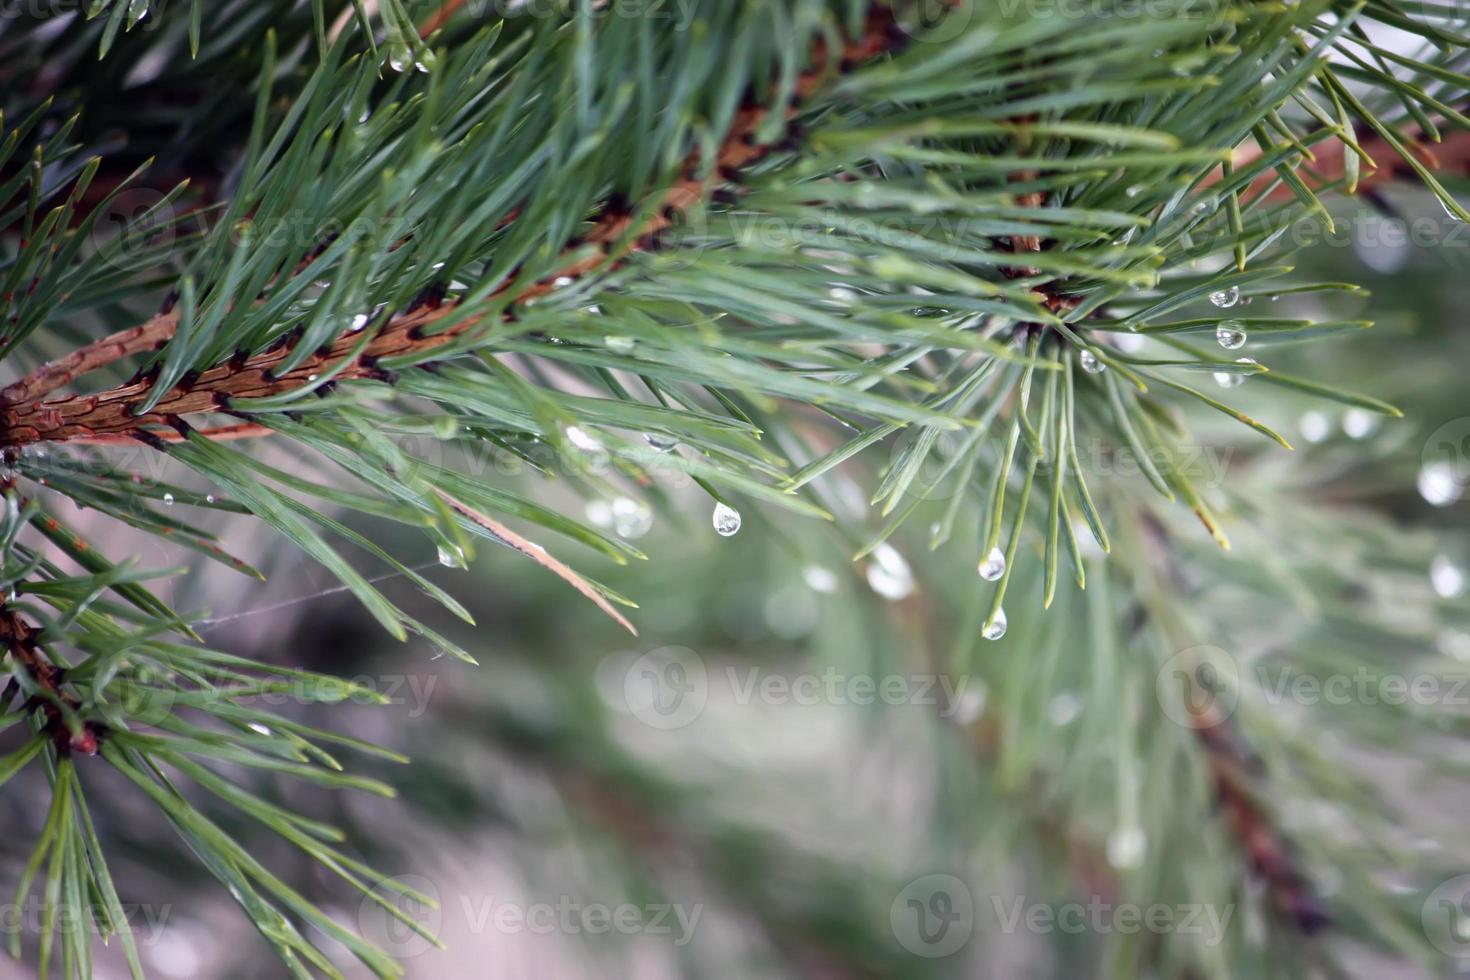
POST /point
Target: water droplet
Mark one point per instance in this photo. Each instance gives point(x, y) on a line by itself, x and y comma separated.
point(1230, 335)
point(358, 322)
point(1089, 362)
point(312, 377)
point(1315, 426)
point(451, 556)
point(889, 574)
point(660, 443)
point(209, 498)
point(259, 729)
point(819, 579)
point(421, 65)
point(1447, 577)
point(632, 519)
point(561, 281)
point(970, 705)
point(1232, 379)
point(1128, 343)
point(1064, 709)
point(599, 513)
point(1444, 205)
point(1439, 485)
point(581, 439)
point(398, 59)
point(619, 345)
point(993, 565)
point(842, 295)
point(168, 500)
point(1359, 423)
point(1454, 644)
point(1226, 297)
point(1126, 847)
point(996, 628)
point(727, 520)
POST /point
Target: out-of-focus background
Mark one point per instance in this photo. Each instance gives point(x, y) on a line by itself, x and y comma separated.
point(805, 766)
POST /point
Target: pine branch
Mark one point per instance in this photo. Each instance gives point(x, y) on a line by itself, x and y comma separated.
point(613, 238)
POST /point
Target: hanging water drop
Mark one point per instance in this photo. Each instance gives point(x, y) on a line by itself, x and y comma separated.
point(1359, 423)
point(993, 565)
point(1439, 484)
point(1448, 212)
point(209, 498)
point(1128, 343)
point(631, 518)
point(660, 443)
point(1126, 847)
point(579, 437)
point(1315, 426)
point(168, 500)
point(1064, 709)
point(1233, 379)
point(599, 513)
point(1230, 335)
point(451, 556)
point(819, 579)
point(969, 707)
point(889, 574)
point(996, 628)
point(1090, 362)
point(1226, 297)
point(726, 520)
point(1447, 578)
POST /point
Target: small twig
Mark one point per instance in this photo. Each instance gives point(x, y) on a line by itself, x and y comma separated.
point(18, 639)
